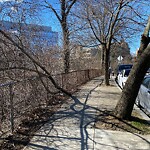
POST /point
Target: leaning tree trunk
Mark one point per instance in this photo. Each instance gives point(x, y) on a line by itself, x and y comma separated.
point(125, 105)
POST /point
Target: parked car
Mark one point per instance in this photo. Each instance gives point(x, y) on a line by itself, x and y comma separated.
point(122, 67)
point(122, 77)
point(143, 98)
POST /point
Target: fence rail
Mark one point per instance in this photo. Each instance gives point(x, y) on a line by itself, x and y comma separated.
point(19, 99)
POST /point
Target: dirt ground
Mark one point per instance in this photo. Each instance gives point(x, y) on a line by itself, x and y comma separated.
point(108, 98)
point(106, 120)
point(30, 125)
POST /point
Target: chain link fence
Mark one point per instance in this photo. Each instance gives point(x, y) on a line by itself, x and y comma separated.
point(19, 99)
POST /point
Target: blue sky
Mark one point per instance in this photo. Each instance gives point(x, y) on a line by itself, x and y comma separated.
point(135, 43)
point(11, 0)
point(49, 19)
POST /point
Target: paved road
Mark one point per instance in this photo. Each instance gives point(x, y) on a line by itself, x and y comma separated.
point(71, 128)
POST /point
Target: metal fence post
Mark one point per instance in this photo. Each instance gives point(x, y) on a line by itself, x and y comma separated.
point(11, 108)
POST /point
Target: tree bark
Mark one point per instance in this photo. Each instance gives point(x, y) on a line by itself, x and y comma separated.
point(102, 60)
point(125, 105)
point(62, 18)
point(65, 31)
point(66, 46)
point(107, 55)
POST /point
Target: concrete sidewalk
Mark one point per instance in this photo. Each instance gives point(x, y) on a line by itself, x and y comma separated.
point(71, 128)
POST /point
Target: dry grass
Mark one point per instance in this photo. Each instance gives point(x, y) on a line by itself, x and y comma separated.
point(106, 120)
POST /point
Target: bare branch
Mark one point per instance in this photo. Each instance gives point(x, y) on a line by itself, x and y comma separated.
point(35, 62)
point(70, 6)
point(113, 23)
point(145, 39)
point(92, 28)
point(147, 28)
point(51, 7)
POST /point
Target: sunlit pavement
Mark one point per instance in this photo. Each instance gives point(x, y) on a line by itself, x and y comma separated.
point(71, 128)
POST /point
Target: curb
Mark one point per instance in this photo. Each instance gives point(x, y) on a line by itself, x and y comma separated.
point(144, 116)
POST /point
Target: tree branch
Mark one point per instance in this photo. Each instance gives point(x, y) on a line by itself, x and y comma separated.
point(145, 40)
point(113, 24)
point(35, 62)
point(91, 26)
point(56, 14)
point(70, 6)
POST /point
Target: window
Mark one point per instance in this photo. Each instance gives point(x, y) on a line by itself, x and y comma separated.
point(146, 82)
point(126, 74)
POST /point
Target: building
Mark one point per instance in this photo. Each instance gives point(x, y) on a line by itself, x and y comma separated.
point(36, 34)
point(83, 51)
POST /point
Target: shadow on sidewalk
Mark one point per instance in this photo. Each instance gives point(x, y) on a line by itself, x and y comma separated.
point(71, 127)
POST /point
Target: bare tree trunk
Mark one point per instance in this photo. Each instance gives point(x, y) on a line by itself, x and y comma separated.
point(66, 47)
point(125, 104)
point(67, 60)
point(107, 54)
point(65, 8)
point(65, 31)
point(103, 59)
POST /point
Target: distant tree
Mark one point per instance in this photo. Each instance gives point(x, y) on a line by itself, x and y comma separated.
point(110, 21)
point(125, 104)
point(62, 16)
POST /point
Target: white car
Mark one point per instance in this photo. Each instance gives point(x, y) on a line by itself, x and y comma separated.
point(143, 98)
point(122, 77)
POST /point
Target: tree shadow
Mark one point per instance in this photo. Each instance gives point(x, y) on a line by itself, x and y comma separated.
point(108, 118)
point(80, 112)
point(70, 125)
